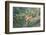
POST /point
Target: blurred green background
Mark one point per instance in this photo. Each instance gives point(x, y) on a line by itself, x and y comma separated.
point(19, 14)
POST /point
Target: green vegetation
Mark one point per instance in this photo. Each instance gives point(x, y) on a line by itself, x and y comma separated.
point(19, 14)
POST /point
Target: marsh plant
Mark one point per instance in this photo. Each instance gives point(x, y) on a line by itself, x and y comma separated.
point(26, 17)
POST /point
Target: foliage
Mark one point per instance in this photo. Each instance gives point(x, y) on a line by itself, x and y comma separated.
point(19, 14)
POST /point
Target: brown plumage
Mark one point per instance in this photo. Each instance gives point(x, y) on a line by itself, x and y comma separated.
point(28, 17)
